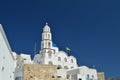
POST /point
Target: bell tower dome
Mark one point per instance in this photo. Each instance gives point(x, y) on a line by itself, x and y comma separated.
point(46, 28)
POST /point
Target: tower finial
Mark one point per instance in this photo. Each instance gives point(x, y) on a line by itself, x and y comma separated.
point(46, 23)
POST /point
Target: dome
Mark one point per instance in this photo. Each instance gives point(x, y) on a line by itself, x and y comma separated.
point(46, 28)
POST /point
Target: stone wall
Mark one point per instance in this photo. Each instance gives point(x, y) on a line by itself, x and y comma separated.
point(100, 76)
point(39, 72)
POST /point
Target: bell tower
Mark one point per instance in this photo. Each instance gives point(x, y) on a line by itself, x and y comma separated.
point(46, 43)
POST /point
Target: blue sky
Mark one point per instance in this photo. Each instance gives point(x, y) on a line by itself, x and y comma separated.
point(89, 27)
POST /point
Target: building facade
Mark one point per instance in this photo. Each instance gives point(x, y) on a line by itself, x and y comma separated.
point(7, 62)
point(82, 73)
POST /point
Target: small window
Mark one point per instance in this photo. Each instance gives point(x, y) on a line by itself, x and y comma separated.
point(72, 67)
point(42, 45)
point(39, 62)
point(50, 63)
point(65, 67)
point(58, 76)
point(68, 76)
point(65, 59)
point(25, 59)
point(48, 36)
point(72, 61)
point(3, 57)
point(49, 55)
point(88, 77)
point(59, 67)
point(53, 76)
point(49, 44)
point(2, 68)
point(59, 59)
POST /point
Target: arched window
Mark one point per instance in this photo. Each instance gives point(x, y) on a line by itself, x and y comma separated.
point(50, 54)
point(65, 67)
point(48, 36)
point(50, 63)
point(42, 45)
point(72, 67)
point(65, 59)
point(68, 76)
point(88, 77)
point(49, 44)
point(72, 61)
point(18, 78)
point(59, 67)
point(59, 59)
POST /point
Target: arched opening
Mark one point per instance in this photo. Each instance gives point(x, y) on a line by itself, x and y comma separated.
point(18, 78)
point(50, 63)
point(59, 67)
point(72, 61)
point(59, 58)
point(88, 77)
point(72, 67)
point(68, 76)
point(65, 59)
point(50, 54)
point(65, 67)
point(49, 44)
point(48, 36)
point(42, 45)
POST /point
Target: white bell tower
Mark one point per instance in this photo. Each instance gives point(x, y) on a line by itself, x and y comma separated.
point(46, 43)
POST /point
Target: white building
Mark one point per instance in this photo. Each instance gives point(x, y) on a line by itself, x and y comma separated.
point(50, 54)
point(20, 61)
point(82, 73)
point(7, 61)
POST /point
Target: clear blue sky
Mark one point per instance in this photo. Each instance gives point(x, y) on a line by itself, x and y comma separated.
point(91, 28)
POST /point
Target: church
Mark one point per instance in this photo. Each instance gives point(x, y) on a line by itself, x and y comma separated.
point(49, 64)
point(50, 54)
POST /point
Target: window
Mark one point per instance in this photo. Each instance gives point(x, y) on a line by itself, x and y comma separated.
point(58, 76)
point(53, 76)
point(59, 59)
point(65, 67)
point(72, 61)
point(42, 45)
point(59, 67)
point(72, 67)
point(18, 78)
point(2, 68)
point(48, 36)
point(39, 62)
point(25, 59)
point(88, 77)
point(92, 77)
point(65, 59)
point(50, 54)
point(49, 44)
point(68, 76)
point(50, 63)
